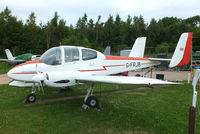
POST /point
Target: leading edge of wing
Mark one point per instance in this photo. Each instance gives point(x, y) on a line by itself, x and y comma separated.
point(121, 80)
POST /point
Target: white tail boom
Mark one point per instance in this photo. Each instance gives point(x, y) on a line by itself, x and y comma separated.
point(138, 47)
point(9, 54)
point(181, 54)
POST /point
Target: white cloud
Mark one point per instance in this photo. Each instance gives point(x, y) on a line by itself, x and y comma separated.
point(71, 10)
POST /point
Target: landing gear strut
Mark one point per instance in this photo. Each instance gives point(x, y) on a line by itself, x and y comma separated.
point(31, 98)
point(90, 101)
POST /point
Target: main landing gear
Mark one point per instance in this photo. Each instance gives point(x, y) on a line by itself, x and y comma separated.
point(90, 100)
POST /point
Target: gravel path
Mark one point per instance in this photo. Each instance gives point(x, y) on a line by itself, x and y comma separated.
point(4, 79)
point(168, 75)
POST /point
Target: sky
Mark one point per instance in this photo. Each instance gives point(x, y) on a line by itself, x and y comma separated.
point(72, 10)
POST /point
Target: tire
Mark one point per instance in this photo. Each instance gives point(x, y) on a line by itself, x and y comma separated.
point(137, 75)
point(31, 98)
point(92, 102)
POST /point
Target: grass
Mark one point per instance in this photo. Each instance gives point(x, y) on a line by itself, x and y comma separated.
point(4, 67)
point(159, 110)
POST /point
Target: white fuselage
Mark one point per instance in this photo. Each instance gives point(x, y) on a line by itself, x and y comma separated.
point(99, 65)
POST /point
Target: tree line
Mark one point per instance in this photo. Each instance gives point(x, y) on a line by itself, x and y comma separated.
point(162, 35)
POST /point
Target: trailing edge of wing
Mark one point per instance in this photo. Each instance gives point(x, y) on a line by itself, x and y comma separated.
point(121, 80)
point(159, 59)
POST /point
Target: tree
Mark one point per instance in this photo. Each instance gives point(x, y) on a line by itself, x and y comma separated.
point(162, 48)
point(193, 21)
point(11, 32)
point(97, 29)
point(81, 27)
point(139, 26)
point(55, 31)
point(107, 33)
point(33, 35)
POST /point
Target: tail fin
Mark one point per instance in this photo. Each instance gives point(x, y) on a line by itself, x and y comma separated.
point(9, 54)
point(181, 55)
point(107, 50)
point(138, 47)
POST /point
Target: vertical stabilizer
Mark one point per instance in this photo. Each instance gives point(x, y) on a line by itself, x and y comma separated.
point(9, 54)
point(181, 54)
point(138, 47)
point(107, 50)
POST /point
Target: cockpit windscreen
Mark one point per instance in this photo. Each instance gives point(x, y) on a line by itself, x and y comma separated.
point(52, 56)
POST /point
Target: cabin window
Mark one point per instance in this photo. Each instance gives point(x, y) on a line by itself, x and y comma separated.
point(71, 54)
point(88, 54)
point(52, 56)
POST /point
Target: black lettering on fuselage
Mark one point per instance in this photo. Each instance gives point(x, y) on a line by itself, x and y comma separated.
point(133, 64)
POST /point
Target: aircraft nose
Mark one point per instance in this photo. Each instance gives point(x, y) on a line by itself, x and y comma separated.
point(22, 72)
point(10, 73)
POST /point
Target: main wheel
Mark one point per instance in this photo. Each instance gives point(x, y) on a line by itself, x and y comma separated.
point(92, 102)
point(31, 98)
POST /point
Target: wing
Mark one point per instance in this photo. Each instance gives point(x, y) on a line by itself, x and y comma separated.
point(69, 78)
point(121, 79)
point(12, 61)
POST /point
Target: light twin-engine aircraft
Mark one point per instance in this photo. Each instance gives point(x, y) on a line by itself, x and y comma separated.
point(20, 58)
point(66, 66)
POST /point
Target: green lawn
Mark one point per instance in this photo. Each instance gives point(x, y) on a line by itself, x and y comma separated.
point(159, 110)
point(4, 67)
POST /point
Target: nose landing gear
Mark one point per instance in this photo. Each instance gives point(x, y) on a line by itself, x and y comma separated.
point(31, 98)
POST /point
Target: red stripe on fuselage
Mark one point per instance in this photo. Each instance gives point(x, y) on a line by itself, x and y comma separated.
point(123, 58)
point(104, 68)
point(29, 62)
point(26, 73)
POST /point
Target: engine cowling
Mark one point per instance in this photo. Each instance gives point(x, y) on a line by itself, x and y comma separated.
point(58, 79)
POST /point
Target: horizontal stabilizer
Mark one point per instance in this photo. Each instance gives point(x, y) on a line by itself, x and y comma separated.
point(160, 59)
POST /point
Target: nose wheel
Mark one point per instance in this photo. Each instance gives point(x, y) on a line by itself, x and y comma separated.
point(31, 98)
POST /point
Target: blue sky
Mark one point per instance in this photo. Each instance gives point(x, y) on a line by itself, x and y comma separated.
point(71, 10)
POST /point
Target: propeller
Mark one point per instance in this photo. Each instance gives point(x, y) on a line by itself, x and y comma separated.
point(39, 78)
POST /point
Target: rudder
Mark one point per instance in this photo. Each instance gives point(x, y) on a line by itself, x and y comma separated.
point(181, 54)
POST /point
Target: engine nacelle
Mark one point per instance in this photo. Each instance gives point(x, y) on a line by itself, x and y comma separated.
point(58, 79)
